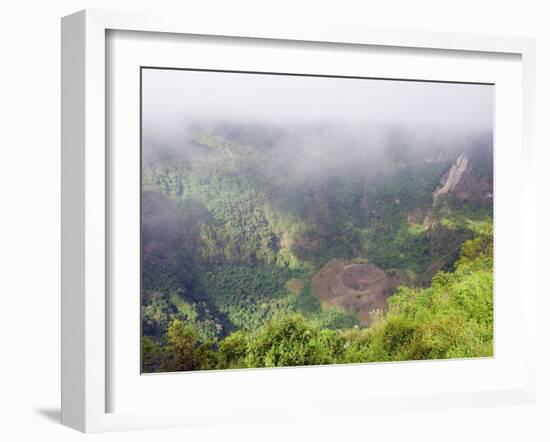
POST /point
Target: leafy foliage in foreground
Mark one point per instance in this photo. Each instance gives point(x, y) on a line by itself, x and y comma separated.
point(453, 318)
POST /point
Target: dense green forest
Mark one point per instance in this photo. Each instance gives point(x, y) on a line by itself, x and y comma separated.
point(264, 246)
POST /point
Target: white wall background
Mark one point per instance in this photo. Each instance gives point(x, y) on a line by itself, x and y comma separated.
point(30, 215)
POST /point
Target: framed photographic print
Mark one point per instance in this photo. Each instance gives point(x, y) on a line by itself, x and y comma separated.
point(291, 220)
point(283, 222)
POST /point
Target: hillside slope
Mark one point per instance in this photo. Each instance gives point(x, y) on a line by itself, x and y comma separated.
point(239, 223)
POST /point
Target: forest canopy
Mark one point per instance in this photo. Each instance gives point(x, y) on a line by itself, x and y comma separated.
point(453, 318)
point(291, 220)
point(250, 260)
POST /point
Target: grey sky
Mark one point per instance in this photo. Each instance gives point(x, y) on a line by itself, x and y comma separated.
point(173, 97)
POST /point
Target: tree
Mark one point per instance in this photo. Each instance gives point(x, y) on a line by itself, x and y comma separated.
point(180, 349)
point(151, 355)
point(291, 341)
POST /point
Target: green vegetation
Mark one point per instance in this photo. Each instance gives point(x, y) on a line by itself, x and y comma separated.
point(453, 318)
point(235, 228)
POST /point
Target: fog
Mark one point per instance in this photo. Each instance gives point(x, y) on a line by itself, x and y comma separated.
point(317, 148)
point(172, 98)
point(308, 123)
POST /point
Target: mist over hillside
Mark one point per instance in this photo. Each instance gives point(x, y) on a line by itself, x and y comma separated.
point(234, 213)
point(249, 219)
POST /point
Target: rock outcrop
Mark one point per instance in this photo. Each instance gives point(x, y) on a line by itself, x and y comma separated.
point(462, 181)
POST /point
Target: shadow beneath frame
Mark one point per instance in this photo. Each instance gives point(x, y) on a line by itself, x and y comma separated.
point(51, 414)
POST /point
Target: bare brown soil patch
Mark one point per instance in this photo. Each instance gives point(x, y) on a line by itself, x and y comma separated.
point(358, 288)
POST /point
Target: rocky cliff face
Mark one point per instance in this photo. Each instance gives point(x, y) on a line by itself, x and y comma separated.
point(463, 182)
point(468, 180)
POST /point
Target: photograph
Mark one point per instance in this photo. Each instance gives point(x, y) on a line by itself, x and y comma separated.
point(293, 220)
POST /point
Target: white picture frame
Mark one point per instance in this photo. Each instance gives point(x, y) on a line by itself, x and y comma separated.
point(86, 202)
